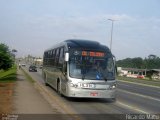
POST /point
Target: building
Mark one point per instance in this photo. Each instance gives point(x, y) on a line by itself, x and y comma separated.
point(133, 72)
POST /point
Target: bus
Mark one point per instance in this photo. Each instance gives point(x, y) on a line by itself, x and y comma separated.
point(80, 68)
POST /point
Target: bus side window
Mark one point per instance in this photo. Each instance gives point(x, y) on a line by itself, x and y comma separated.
point(61, 57)
point(47, 61)
point(53, 57)
point(57, 57)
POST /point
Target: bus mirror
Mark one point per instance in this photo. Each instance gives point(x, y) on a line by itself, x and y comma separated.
point(66, 57)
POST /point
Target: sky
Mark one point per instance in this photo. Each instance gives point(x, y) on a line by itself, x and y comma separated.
point(31, 26)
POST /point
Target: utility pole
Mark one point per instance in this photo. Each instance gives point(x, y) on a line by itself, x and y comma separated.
point(111, 33)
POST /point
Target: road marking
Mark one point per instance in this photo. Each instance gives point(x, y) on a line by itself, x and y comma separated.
point(132, 107)
point(139, 84)
point(126, 85)
point(140, 95)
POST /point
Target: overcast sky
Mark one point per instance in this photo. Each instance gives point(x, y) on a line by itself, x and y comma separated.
point(31, 26)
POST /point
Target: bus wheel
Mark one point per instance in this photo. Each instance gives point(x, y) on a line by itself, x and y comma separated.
point(114, 100)
point(46, 84)
point(58, 89)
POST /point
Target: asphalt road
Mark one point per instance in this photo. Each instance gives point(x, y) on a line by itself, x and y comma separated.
point(131, 98)
point(144, 97)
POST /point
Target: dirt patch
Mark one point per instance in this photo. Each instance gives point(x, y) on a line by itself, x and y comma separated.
point(6, 97)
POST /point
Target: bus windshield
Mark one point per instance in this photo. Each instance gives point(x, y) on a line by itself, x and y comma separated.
point(91, 65)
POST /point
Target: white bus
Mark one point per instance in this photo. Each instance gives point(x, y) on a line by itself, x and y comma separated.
point(80, 68)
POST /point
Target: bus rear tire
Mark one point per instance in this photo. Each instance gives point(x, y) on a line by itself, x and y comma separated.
point(113, 100)
point(46, 84)
point(58, 89)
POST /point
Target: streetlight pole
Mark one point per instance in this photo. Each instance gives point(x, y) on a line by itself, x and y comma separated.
point(111, 33)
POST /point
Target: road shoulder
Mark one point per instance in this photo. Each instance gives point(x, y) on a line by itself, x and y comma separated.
point(28, 100)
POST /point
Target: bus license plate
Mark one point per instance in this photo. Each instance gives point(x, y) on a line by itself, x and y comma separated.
point(86, 85)
point(94, 94)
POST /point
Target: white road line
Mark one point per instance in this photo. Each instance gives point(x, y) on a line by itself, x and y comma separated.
point(132, 107)
point(140, 95)
point(126, 85)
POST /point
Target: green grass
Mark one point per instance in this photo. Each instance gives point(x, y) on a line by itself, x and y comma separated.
point(9, 75)
point(143, 81)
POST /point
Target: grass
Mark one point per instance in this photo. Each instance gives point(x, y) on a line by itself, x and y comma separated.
point(9, 75)
point(143, 81)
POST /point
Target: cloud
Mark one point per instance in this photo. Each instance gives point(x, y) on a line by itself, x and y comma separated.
point(132, 36)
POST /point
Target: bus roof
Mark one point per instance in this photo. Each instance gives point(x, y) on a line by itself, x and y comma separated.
point(85, 44)
point(81, 43)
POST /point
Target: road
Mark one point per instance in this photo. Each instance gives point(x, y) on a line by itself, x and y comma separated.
point(131, 98)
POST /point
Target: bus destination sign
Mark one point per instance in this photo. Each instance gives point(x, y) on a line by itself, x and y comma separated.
point(92, 54)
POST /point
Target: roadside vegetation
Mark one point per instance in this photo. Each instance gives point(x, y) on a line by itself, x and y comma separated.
point(142, 81)
point(7, 67)
point(149, 63)
point(7, 57)
point(152, 62)
point(7, 84)
point(8, 75)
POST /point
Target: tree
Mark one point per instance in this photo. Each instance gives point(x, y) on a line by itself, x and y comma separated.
point(127, 63)
point(6, 60)
point(137, 62)
point(152, 62)
point(152, 56)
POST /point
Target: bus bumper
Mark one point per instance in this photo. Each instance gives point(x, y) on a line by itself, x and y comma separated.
point(87, 93)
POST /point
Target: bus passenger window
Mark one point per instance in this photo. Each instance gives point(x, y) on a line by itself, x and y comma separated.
point(61, 57)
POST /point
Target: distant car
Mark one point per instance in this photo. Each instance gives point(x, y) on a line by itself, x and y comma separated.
point(32, 68)
point(23, 65)
point(140, 76)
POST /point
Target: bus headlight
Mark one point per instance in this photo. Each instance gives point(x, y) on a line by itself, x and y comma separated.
point(112, 86)
point(73, 85)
